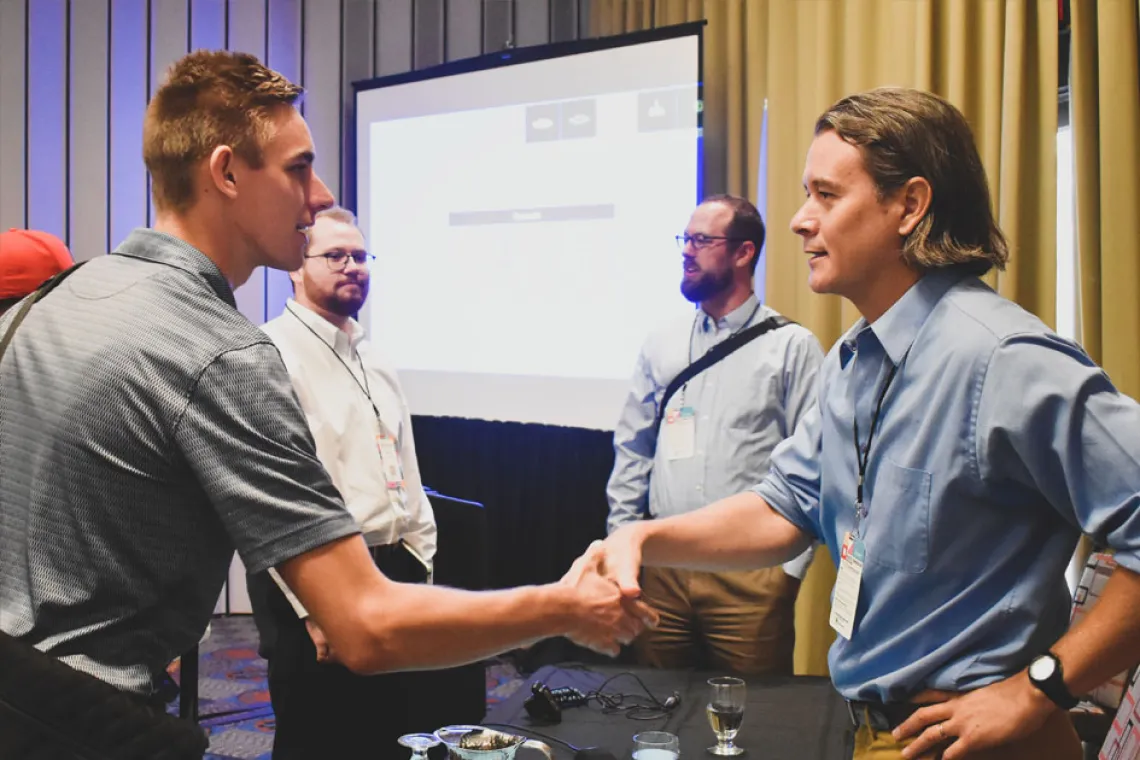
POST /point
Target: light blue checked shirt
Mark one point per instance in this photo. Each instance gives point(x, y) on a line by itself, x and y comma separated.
point(998, 444)
point(744, 406)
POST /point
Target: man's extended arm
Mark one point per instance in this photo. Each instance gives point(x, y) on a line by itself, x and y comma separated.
point(374, 624)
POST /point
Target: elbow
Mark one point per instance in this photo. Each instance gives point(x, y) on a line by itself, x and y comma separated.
point(368, 644)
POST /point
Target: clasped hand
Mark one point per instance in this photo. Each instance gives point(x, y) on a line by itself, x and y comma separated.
point(608, 617)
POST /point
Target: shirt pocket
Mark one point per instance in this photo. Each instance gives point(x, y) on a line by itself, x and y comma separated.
point(897, 526)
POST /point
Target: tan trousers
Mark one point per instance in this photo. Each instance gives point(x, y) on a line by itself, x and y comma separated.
point(1056, 740)
point(741, 621)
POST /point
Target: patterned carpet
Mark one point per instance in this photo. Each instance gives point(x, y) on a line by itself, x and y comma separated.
point(233, 699)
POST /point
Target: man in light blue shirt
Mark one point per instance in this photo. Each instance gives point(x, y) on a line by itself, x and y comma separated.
point(958, 451)
point(714, 439)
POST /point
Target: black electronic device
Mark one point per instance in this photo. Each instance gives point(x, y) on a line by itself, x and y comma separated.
point(545, 704)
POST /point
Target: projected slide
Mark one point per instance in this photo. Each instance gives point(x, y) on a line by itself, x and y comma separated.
point(525, 249)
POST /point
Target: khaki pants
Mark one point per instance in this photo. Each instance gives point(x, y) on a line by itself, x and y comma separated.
point(742, 621)
point(1056, 740)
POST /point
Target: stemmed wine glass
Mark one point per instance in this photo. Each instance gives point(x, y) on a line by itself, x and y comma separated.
point(419, 744)
point(726, 713)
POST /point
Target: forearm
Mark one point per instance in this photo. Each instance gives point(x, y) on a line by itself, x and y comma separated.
point(739, 532)
point(1107, 640)
point(417, 627)
point(375, 624)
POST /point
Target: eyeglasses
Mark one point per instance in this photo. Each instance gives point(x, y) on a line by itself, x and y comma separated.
point(338, 260)
point(701, 240)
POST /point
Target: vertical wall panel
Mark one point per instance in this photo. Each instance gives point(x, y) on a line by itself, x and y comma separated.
point(247, 26)
point(127, 172)
point(169, 37)
point(358, 26)
point(88, 132)
point(464, 37)
point(563, 20)
point(283, 55)
point(47, 117)
point(323, 87)
point(498, 31)
point(13, 149)
point(284, 35)
point(207, 24)
point(394, 36)
point(430, 29)
point(532, 22)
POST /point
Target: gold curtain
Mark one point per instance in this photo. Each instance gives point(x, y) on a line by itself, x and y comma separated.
point(994, 59)
point(1106, 125)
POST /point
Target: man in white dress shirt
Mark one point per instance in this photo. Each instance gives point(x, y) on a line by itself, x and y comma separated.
point(363, 431)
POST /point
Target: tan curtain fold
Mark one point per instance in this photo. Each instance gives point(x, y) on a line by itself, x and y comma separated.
point(1106, 125)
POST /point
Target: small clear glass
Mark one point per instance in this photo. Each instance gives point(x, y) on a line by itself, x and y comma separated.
point(419, 744)
point(656, 745)
point(726, 712)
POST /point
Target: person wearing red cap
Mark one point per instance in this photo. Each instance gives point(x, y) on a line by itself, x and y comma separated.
point(28, 258)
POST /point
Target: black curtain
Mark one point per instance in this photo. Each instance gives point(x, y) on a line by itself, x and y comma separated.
point(543, 488)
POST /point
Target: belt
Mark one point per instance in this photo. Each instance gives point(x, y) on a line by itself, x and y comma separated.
point(878, 715)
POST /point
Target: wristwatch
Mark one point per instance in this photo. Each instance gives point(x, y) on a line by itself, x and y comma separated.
point(1046, 674)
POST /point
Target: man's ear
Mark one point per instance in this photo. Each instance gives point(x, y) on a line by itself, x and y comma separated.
point(221, 168)
point(916, 196)
point(745, 252)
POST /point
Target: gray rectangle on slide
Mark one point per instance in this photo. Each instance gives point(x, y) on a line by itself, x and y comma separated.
point(532, 215)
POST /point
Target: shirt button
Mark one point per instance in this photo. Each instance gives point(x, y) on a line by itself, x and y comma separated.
point(700, 488)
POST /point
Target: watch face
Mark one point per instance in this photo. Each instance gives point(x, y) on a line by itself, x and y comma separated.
point(1041, 668)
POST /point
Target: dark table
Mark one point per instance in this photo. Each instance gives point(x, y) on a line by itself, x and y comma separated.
point(785, 718)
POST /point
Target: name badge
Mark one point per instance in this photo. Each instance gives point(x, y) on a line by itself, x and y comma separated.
point(845, 600)
point(393, 471)
point(680, 435)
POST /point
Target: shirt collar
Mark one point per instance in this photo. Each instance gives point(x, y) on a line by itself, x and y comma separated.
point(326, 330)
point(735, 319)
point(899, 325)
point(152, 245)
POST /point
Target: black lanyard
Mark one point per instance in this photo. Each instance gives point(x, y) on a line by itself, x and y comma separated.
point(693, 330)
point(863, 454)
point(363, 373)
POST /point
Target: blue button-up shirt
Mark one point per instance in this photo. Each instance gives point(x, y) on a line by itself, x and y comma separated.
point(997, 444)
point(744, 406)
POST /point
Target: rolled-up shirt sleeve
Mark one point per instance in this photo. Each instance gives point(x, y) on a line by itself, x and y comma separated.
point(1050, 420)
point(244, 436)
point(792, 486)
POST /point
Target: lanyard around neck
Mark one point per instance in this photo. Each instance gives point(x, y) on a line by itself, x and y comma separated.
point(863, 453)
point(363, 386)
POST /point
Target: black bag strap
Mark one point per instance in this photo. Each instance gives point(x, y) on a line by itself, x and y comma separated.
point(715, 354)
point(26, 305)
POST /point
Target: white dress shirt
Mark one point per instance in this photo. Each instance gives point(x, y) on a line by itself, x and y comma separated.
point(331, 372)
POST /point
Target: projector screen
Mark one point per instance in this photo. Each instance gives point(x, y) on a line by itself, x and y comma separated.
point(523, 219)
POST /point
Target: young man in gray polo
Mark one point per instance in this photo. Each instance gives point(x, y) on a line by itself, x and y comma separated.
point(147, 430)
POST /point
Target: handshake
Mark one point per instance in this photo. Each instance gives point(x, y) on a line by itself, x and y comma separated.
point(604, 596)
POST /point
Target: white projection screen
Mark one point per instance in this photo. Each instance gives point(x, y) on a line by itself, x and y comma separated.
point(522, 208)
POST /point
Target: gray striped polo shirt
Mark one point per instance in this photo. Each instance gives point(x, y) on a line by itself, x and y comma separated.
point(147, 430)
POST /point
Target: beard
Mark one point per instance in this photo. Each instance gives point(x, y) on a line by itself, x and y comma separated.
point(706, 286)
point(344, 304)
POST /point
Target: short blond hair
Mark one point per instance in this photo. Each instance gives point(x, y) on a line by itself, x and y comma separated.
point(904, 133)
point(209, 98)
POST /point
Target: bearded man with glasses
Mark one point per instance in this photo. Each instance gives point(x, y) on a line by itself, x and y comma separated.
point(683, 442)
point(360, 421)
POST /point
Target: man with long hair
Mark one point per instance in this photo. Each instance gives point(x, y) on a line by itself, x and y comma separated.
point(958, 450)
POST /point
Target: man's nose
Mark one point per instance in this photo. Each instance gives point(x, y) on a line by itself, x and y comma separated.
point(801, 223)
point(320, 198)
